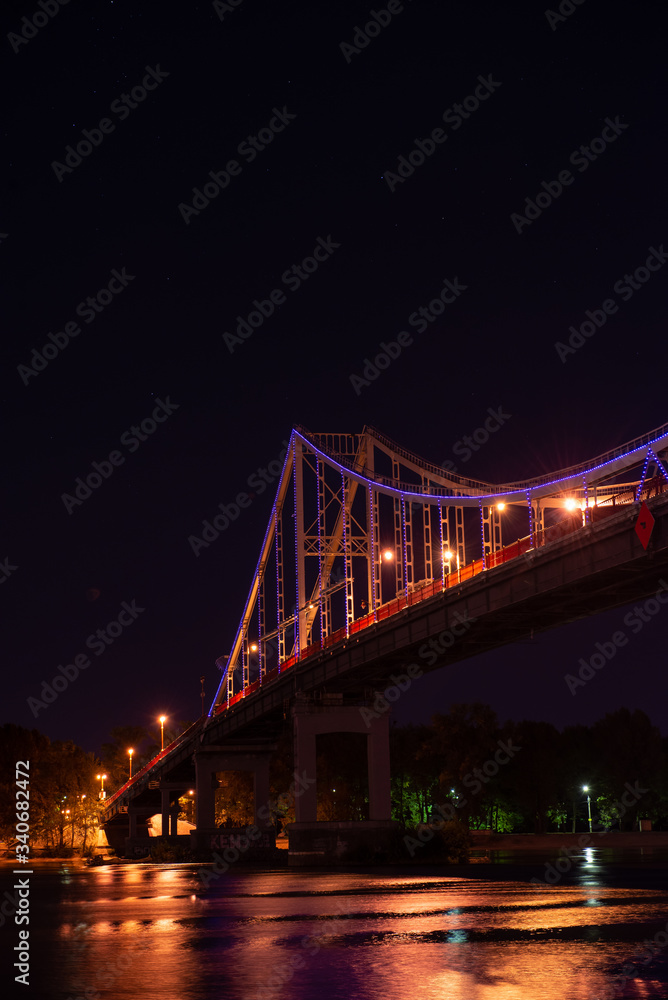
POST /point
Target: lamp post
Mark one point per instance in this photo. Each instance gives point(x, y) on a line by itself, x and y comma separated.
point(130, 752)
point(585, 788)
point(101, 778)
point(161, 720)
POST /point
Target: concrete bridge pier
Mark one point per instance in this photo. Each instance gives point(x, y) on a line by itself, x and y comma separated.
point(169, 803)
point(318, 843)
point(136, 843)
point(207, 837)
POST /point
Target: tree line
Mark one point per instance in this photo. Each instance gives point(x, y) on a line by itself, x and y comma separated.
point(519, 777)
point(529, 777)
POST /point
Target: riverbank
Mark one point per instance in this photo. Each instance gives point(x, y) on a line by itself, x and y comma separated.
point(527, 843)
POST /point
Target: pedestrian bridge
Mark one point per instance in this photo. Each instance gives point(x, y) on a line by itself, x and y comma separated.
point(377, 566)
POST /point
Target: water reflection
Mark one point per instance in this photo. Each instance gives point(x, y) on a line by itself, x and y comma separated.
point(157, 931)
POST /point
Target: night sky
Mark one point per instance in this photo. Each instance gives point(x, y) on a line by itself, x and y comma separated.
point(403, 146)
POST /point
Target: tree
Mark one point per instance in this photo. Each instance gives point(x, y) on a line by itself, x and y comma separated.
point(628, 750)
point(415, 773)
point(577, 766)
point(115, 757)
point(463, 743)
point(234, 798)
point(62, 788)
point(532, 775)
point(19, 744)
point(342, 777)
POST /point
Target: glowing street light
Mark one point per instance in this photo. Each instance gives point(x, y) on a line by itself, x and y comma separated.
point(101, 778)
point(253, 646)
point(571, 504)
point(585, 788)
point(447, 554)
point(500, 506)
point(388, 554)
point(162, 720)
point(130, 752)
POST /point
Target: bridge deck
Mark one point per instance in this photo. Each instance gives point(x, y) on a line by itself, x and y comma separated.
point(570, 572)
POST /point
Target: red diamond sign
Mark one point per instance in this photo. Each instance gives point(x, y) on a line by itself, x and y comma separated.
point(644, 525)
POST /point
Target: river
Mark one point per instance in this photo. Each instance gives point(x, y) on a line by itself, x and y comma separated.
point(475, 933)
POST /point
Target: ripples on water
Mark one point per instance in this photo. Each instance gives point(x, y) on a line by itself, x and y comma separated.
point(156, 931)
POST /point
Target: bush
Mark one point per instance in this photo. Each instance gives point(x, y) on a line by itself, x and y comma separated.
point(446, 842)
point(165, 853)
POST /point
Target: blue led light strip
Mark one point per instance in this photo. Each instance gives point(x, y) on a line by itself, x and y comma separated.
point(659, 465)
point(279, 572)
point(482, 536)
point(272, 524)
point(297, 608)
point(372, 552)
point(644, 470)
point(440, 527)
point(345, 559)
point(260, 629)
point(403, 531)
point(530, 519)
point(505, 495)
point(317, 485)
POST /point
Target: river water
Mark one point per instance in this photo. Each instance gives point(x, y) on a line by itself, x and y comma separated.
point(170, 931)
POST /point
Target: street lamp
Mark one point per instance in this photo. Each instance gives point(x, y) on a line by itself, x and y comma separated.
point(388, 554)
point(585, 788)
point(161, 720)
point(447, 554)
point(131, 751)
point(101, 778)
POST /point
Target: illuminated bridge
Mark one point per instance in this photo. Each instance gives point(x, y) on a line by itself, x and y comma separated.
point(374, 563)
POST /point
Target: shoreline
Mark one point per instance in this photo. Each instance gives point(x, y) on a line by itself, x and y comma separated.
point(603, 839)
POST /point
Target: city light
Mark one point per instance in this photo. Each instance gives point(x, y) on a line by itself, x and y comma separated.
point(162, 720)
point(571, 504)
point(101, 778)
point(500, 506)
point(130, 752)
point(388, 554)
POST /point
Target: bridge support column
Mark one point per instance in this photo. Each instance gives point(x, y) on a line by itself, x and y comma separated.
point(310, 721)
point(313, 842)
point(136, 844)
point(210, 760)
point(165, 796)
point(205, 796)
